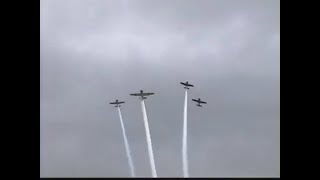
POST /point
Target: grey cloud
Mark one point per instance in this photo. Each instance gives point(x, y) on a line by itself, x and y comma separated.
point(95, 51)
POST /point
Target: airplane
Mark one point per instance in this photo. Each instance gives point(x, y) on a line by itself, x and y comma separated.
point(142, 94)
point(117, 103)
point(186, 85)
point(199, 102)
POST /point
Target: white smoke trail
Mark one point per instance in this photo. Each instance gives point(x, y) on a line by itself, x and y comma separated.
point(126, 145)
point(184, 140)
point(146, 125)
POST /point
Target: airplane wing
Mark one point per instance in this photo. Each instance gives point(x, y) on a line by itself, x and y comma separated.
point(121, 102)
point(185, 84)
point(195, 100)
point(203, 102)
point(113, 103)
point(141, 94)
point(136, 94)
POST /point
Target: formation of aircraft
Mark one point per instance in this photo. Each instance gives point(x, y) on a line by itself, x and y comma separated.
point(143, 95)
point(199, 102)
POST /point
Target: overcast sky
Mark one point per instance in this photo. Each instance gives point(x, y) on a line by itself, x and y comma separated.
point(94, 51)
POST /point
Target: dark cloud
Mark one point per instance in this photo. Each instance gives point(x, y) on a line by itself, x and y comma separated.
point(95, 51)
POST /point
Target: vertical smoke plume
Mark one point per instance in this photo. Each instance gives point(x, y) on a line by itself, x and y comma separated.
point(146, 125)
point(184, 140)
point(126, 145)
